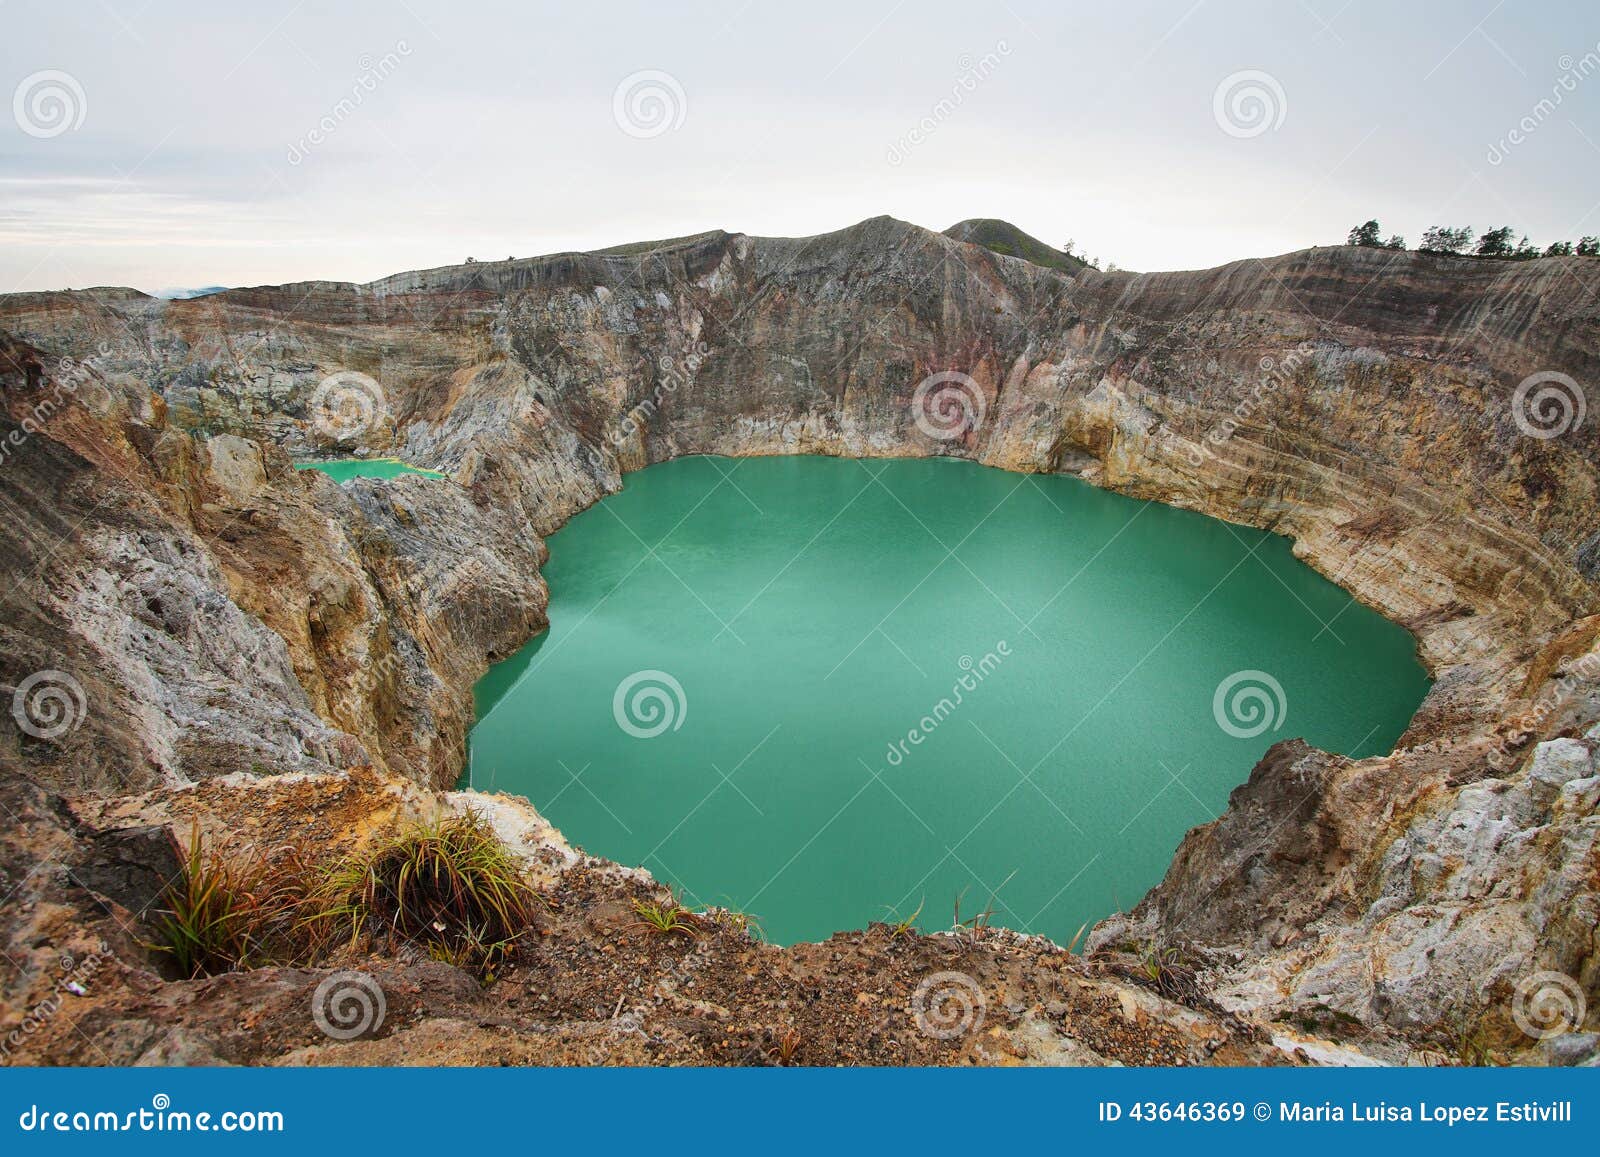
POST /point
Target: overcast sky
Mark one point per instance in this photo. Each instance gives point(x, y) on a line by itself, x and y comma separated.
point(185, 144)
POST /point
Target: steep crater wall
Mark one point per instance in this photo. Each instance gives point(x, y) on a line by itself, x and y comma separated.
point(231, 614)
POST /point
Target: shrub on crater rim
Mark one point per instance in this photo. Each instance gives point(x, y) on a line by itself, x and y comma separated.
point(447, 885)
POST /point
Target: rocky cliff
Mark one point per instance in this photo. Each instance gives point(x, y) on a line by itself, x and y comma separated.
point(1413, 421)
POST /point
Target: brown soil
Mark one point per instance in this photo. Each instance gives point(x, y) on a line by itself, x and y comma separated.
point(589, 983)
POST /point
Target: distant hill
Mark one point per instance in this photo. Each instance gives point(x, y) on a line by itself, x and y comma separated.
point(186, 294)
point(1005, 238)
point(637, 248)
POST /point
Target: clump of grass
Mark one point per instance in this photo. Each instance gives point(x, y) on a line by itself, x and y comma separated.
point(976, 926)
point(1166, 971)
point(668, 919)
point(448, 886)
point(902, 929)
point(230, 909)
point(472, 952)
point(745, 924)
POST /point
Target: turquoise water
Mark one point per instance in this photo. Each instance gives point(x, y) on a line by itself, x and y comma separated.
point(753, 686)
point(344, 469)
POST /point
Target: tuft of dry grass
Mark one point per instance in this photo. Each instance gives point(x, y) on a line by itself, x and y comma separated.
point(231, 908)
point(904, 929)
point(787, 1046)
point(448, 886)
point(745, 925)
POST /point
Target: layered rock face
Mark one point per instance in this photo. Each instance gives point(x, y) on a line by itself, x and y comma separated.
point(225, 613)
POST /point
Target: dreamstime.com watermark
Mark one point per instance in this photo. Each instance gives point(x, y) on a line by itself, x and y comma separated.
point(1275, 372)
point(1572, 74)
point(1585, 669)
point(647, 703)
point(973, 73)
point(1248, 103)
point(74, 980)
point(648, 103)
point(346, 405)
point(1548, 404)
point(70, 377)
point(974, 672)
point(948, 406)
point(371, 676)
point(1548, 1004)
point(670, 379)
point(947, 1005)
point(49, 704)
point(372, 74)
point(631, 1021)
point(48, 103)
point(1248, 703)
point(348, 1005)
point(160, 1117)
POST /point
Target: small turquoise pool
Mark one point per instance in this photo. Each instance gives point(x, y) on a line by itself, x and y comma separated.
point(344, 469)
